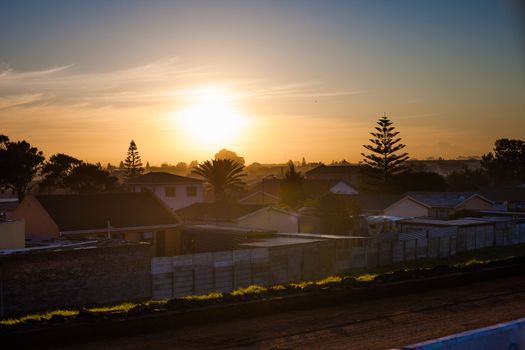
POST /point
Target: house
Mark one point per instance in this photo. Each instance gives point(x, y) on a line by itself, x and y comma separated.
point(348, 173)
point(267, 192)
point(437, 204)
point(375, 203)
point(135, 217)
point(507, 198)
point(12, 234)
point(252, 216)
point(174, 190)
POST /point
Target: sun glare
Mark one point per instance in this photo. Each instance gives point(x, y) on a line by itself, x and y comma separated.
point(211, 118)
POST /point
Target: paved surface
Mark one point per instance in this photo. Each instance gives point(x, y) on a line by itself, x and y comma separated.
point(372, 324)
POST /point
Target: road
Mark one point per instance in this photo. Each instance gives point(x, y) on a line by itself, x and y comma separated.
point(372, 324)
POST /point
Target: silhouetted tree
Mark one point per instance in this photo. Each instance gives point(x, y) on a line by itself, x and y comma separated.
point(19, 164)
point(224, 175)
point(385, 145)
point(132, 163)
point(468, 180)
point(90, 178)
point(121, 165)
point(292, 192)
point(303, 162)
point(147, 166)
point(181, 168)
point(56, 169)
point(338, 213)
point(507, 163)
point(227, 154)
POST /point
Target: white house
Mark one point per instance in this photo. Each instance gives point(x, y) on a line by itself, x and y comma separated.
point(174, 190)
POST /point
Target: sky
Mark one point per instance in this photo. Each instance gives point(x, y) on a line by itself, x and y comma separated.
point(270, 80)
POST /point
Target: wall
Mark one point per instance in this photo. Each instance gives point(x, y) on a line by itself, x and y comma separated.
point(407, 208)
point(164, 242)
point(227, 270)
point(180, 200)
point(71, 278)
point(37, 220)
point(12, 234)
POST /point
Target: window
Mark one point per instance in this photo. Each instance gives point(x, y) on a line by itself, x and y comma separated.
point(146, 236)
point(145, 189)
point(170, 191)
point(191, 191)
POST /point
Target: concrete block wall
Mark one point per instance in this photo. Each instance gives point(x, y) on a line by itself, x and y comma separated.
point(71, 278)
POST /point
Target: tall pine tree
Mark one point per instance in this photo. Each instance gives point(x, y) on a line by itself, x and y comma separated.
point(385, 145)
point(132, 163)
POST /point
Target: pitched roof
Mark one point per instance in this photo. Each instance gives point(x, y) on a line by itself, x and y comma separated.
point(442, 199)
point(312, 187)
point(93, 211)
point(216, 211)
point(333, 169)
point(376, 201)
point(163, 178)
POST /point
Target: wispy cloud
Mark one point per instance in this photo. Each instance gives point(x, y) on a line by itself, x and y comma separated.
point(156, 83)
point(19, 100)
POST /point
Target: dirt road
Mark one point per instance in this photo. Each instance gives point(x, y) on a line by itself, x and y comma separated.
point(372, 324)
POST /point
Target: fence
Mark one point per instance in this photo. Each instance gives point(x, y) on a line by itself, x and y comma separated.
point(224, 271)
point(228, 270)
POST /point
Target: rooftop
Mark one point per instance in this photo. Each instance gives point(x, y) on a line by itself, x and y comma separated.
point(457, 222)
point(162, 178)
point(217, 211)
point(442, 199)
point(96, 211)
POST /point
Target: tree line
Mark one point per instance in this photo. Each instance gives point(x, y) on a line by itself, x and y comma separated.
point(384, 169)
point(22, 164)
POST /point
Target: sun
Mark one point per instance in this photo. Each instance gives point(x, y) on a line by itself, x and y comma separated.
point(211, 118)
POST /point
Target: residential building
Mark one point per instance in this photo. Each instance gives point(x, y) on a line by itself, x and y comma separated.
point(252, 216)
point(437, 204)
point(267, 192)
point(135, 217)
point(174, 190)
point(348, 173)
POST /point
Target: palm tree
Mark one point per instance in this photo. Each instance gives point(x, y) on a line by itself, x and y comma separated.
point(224, 175)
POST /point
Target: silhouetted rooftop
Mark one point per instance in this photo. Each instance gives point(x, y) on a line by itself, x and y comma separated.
point(217, 211)
point(163, 178)
point(442, 199)
point(93, 211)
